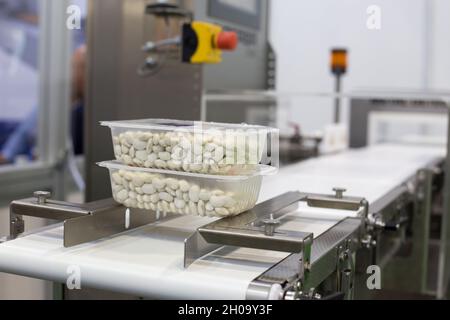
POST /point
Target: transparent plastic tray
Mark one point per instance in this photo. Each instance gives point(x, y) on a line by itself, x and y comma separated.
point(185, 193)
point(198, 147)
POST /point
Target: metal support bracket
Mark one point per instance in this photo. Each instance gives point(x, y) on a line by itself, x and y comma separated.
point(248, 230)
point(82, 222)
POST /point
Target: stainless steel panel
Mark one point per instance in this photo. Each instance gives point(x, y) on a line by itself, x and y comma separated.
point(246, 68)
point(282, 240)
point(104, 223)
point(444, 255)
point(196, 247)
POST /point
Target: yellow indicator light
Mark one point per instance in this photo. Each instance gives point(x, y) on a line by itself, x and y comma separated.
point(339, 61)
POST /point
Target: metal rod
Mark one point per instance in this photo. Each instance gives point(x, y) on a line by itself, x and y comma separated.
point(337, 100)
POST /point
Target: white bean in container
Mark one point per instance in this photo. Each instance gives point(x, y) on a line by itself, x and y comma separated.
point(183, 193)
point(208, 148)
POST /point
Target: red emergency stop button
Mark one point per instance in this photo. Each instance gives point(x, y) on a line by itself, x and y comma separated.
point(227, 40)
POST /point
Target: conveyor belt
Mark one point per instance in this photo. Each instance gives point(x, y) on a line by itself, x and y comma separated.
point(370, 173)
point(149, 261)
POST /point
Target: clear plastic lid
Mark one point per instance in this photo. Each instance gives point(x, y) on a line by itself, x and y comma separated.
point(177, 125)
point(262, 170)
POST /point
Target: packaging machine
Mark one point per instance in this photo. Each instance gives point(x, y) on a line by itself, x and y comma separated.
point(313, 244)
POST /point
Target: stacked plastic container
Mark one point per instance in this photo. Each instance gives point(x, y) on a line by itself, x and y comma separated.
point(192, 168)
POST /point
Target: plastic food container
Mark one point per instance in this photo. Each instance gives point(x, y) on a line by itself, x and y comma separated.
point(185, 193)
point(197, 147)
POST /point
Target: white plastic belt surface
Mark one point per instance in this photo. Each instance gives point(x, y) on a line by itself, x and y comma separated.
point(148, 262)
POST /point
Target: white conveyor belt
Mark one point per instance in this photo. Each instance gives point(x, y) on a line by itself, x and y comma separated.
point(370, 173)
point(148, 261)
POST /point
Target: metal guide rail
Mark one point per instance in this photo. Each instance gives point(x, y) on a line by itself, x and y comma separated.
point(82, 222)
point(259, 229)
point(256, 228)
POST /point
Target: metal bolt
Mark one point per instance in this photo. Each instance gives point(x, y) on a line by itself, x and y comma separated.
point(339, 192)
point(42, 196)
point(368, 242)
point(270, 225)
point(349, 243)
point(17, 226)
point(307, 266)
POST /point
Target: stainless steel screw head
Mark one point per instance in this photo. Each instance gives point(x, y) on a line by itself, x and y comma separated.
point(339, 192)
point(42, 196)
point(269, 226)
